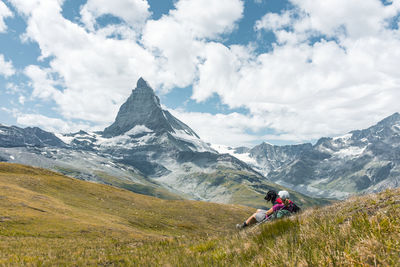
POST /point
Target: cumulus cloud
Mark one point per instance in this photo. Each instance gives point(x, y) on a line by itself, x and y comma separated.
point(89, 65)
point(233, 129)
point(49, 124)
point(207, 18)
point(334, 68)
point(358, 18)
point(133, 12)
point(178, 39)
point(42, 82)
point(5, 12)
point(85, 65)
point(274, 21)
point(6, 67)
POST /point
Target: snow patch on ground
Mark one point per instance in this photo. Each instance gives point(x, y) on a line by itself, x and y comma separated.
point(245, 157)
point(324, 149)
point(123, 140)
point(64, 138)
point(200, 145)
point(138, 129)
point(352, 151)
point(344, 138)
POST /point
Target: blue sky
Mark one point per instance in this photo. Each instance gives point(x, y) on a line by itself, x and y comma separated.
point(237, 72)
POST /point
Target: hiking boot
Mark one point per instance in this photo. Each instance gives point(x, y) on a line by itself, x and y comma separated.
point(239, 226)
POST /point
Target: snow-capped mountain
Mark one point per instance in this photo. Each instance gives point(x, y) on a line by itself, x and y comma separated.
point(143, 111)
point(16, 137)
point(145, 150)
point(360, 161)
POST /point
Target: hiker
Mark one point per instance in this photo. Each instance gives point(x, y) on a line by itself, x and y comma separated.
point(272, 197)
point(261, 214)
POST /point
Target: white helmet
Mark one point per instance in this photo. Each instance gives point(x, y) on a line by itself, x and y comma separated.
point(283, 195)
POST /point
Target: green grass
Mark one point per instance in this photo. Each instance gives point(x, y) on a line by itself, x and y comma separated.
point(145, 188)
point(52, 220)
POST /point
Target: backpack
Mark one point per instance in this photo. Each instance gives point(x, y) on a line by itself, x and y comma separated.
point(279, 214)
point(285, 212)
point(294, 208)
point(282, 213)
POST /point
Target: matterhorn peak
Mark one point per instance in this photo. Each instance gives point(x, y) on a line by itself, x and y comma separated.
point(141, 83)
point(142, 108)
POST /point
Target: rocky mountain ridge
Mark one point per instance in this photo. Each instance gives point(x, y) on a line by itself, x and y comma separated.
point(361, 161)
point(146, 150)
point(149, 151)
point(143, 108)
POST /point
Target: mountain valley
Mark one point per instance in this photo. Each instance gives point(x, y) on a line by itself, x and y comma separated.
point(146, 150)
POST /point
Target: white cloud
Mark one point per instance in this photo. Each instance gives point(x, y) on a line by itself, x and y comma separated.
point(306, 89)
point(97, 65)
point(175, 49)
point(350, 19)
point(6, 67)
point(5, 12)
point(54, 125)
point(12, 88)
point(21, 99)
point(273, 21)
point(224, 129)
point(133, 12)
point(179, 38)
point(42, 82)
point(334, 67)
point(86, 65)
point(220, 72)
point(358, 17)
point(207, 18)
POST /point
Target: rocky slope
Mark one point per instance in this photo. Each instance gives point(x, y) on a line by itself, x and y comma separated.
point(361, 161)
point(146, 150)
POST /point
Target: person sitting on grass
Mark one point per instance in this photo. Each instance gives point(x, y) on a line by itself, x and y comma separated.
point(261, 214)
point(272, 197)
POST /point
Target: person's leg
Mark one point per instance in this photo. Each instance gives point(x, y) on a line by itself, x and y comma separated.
point(251, 220)
point(256, 217)
point(246, 223)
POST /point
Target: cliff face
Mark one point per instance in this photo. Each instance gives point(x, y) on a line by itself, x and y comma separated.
point(361, 161)
point(143, 108)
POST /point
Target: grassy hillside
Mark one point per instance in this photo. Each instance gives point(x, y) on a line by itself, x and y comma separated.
point(362, 231)
point(145, 186)
point(50, 219)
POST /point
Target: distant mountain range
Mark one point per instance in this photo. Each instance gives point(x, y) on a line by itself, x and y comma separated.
point(146, 150)
point(361, 161)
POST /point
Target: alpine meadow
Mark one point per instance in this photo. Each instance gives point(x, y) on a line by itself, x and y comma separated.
point(50, 219)
point(200, 133)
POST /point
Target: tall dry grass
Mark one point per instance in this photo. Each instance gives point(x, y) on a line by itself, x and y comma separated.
point(51, 220)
